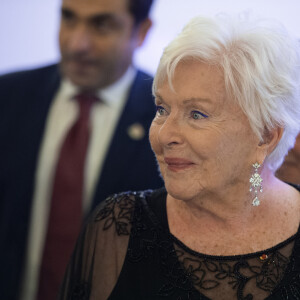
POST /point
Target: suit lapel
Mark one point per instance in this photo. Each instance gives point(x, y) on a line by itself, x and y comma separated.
point(124, 145)
point(28, 108)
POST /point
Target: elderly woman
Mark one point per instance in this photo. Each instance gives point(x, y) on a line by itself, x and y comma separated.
point(224, 227)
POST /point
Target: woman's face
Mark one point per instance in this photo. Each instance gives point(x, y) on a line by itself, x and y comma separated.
point(203, 142)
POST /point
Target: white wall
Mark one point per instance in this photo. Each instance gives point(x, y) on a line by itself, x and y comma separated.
point(28, 28)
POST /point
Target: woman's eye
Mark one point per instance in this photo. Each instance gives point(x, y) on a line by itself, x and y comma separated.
point(160, 110)
point(196, 115)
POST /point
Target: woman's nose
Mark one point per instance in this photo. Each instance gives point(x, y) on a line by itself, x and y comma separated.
point(170, 133)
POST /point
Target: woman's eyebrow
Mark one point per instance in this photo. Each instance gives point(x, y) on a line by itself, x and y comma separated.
point(157, 96)
point(196, 99)
point(193, 100)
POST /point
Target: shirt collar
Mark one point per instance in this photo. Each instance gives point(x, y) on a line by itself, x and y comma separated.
point(118, 91)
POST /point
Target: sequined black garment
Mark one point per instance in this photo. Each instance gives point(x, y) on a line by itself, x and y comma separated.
point(127, 252)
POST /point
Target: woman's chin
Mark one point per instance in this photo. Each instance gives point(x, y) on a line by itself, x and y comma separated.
point(182, 192)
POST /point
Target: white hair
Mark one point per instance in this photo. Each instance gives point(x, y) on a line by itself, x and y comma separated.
point(261, 66)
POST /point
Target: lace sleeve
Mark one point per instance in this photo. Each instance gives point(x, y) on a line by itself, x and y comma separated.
point(100, 251)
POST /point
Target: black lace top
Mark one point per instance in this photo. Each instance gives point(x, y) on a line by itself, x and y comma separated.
point(126, 251)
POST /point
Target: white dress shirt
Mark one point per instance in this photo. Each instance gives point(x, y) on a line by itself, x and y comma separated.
point(62, 115)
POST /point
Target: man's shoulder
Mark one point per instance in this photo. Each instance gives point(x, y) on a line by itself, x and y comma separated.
point(143, 79)
point(34, 75)
point(142, 85)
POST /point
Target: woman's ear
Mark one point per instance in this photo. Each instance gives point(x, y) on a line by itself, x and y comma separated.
point(270, 140)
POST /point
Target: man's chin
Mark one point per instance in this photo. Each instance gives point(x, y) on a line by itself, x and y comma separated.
point(84, 80)
point(84, 83)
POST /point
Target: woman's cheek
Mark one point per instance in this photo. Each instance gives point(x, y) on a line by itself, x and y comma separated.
point(153, 136)
point(154, 139)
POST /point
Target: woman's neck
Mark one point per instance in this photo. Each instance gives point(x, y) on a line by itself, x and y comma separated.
point(230, 217)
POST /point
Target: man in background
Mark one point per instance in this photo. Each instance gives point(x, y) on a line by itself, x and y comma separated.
point(290, 169)
point(71, 134)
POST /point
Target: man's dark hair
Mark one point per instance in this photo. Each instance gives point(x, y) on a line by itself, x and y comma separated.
point(140, 9)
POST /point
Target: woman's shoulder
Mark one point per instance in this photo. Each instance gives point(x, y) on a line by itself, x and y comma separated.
point(103, 244)
point(117, 211)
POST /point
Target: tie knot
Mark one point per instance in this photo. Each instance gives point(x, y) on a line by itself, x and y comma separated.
point(86, 98)
point(86, 101)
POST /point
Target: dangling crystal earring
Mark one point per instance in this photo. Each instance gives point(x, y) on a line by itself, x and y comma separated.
point(256, 181)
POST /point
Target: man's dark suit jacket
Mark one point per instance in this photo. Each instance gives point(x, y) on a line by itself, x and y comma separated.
point(25, 99)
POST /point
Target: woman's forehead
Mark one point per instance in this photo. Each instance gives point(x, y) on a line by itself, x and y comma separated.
point(193, 81)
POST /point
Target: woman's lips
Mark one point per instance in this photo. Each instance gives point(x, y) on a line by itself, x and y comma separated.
point(177, 164)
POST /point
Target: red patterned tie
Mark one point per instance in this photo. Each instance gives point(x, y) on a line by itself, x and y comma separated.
point(66, 204)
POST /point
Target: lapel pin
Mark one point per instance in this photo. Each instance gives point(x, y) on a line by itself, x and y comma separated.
point(136, 131)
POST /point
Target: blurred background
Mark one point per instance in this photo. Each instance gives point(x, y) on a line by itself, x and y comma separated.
point(29, 28)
